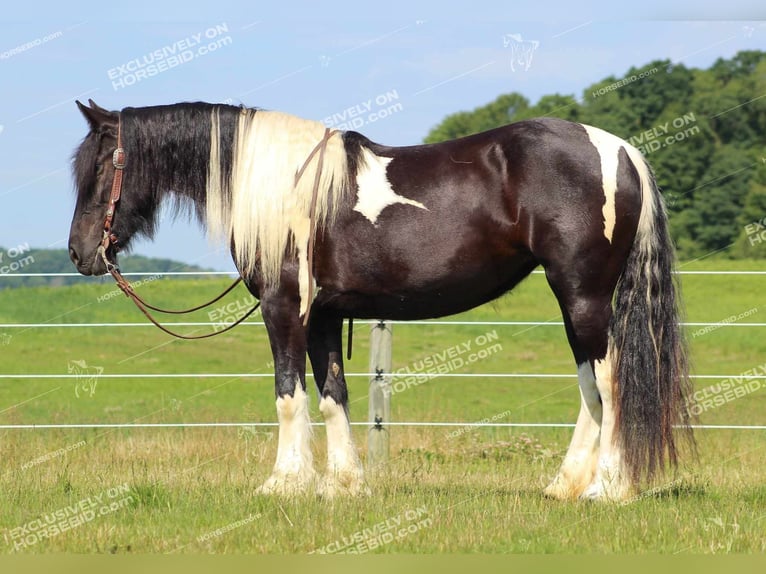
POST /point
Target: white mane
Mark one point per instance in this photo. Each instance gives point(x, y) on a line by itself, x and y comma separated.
point(266, 214)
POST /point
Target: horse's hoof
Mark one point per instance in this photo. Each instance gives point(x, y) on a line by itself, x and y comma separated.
point(343, 484)
point(601, 490)
point(557, 491)
point(287, 485)
point(563, 488)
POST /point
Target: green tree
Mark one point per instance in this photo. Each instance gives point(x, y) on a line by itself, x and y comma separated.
point(718, 201)
point(657, 84)
point(604, 105)
point(751, 242)
point(503, 110)
point(683, 156)
point(556, 106)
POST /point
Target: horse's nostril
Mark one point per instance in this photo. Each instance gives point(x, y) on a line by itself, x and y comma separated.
point(73, 255)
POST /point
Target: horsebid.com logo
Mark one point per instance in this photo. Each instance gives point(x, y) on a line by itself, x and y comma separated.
point(521, 51)
point(86, 377)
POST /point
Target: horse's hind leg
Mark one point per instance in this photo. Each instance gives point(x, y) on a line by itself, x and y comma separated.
point(293, 471)
point(611, 479)
point(344, 470)
point(593, 466)
point(579, 465)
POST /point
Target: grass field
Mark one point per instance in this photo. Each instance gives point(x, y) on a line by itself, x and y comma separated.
point(191, 490)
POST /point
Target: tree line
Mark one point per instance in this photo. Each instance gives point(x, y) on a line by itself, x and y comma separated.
point(19, 261)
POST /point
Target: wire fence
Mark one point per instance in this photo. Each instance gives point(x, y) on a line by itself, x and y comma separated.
point(235, 274)
point(366, 375)
point(356, 322)
point(35, 426)
point(270, 375)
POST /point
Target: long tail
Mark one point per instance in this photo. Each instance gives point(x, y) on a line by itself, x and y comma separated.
point(651, 368)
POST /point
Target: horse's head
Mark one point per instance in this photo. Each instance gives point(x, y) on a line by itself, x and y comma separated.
point(93, 174)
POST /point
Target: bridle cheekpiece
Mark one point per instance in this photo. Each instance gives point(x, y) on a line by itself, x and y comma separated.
point(119, 160)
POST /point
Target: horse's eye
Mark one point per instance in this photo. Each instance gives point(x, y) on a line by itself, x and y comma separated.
point(99, 169)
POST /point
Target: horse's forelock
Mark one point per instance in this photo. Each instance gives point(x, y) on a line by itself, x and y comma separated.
point(84, 165)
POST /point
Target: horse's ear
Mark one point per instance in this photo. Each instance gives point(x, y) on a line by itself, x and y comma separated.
point(97, 117)
point(96, 107)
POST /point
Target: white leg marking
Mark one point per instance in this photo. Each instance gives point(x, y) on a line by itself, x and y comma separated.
point(374, 190)
point(293, 471)
point(610, 482)
point(579, 464)
point(344, 470)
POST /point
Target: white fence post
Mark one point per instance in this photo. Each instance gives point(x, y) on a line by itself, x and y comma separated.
point(380, 393)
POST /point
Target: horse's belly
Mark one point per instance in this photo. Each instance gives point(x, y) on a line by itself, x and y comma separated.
point(441, 293)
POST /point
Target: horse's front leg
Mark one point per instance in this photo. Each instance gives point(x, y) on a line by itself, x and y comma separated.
point(344, 473)
point(293, 471)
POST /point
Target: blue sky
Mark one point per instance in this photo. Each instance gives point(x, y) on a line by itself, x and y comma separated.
point(397, 70)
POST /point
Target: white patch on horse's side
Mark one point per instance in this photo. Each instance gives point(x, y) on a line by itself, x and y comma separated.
point(293, 469)
point(344, 470)
point(608, 147)
point(579, 464)
point(374, 190)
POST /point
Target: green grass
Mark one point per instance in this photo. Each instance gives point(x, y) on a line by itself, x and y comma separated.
point(477, 492)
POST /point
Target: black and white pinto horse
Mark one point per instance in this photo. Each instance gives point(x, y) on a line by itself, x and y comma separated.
point(411, 233)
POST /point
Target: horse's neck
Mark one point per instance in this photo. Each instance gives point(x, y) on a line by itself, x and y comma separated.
point(177, 173)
